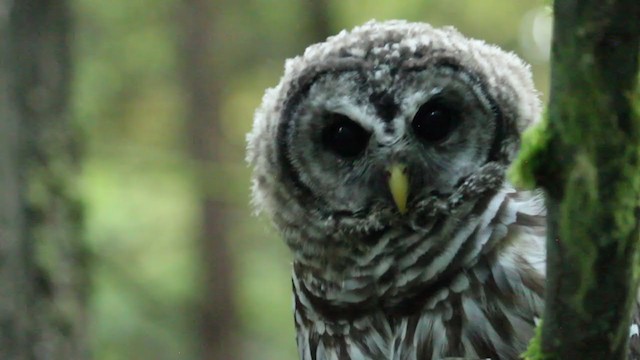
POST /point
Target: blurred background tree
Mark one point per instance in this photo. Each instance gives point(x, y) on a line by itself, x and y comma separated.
point(42, 257)
point(164, 91)
point(203, 78)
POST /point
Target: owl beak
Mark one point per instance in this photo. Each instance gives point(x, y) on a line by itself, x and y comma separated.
point(399, 185)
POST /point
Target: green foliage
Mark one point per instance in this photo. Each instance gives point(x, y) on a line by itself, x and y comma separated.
point(534, 142)
point(534, 350)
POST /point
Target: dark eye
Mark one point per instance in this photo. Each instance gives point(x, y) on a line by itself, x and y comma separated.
point(434, 121)
point(344, 137)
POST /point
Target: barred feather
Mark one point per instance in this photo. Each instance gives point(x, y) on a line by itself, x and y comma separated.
point(484, 290)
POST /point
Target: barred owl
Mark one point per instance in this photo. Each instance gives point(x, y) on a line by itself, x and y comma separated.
point(381, 157)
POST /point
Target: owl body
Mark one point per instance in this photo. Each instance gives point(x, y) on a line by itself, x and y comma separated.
point(380, 158)
point(473, 294)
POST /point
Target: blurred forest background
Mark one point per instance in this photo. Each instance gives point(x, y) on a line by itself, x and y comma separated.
point(162, 93)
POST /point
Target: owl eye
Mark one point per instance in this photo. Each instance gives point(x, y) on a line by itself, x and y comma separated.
point(434, 121)
point(344, 137)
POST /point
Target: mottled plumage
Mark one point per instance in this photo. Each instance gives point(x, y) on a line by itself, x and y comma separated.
point(444, 260)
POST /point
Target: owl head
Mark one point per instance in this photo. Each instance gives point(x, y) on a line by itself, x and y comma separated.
point(390, 124)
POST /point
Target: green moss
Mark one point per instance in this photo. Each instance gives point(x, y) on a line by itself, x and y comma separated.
point(625, 211)
point(534, 350)
point(577, 214)
point(534, 143)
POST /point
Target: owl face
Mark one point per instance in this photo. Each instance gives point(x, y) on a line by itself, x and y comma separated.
point(382, 125)
point(355, 126)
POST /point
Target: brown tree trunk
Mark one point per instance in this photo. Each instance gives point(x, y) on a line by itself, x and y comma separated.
point(42, 297)
point(587, 158)
point(203, 81)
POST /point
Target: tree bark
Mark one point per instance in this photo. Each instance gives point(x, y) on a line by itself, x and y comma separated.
point(203, 81)
point(42, 297)
point(586, 156)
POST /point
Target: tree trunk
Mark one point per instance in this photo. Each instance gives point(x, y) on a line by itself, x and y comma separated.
point(587, 158)
point(42, 297)
point(203, 81)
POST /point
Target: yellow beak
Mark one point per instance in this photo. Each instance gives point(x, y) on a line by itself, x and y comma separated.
point(399, 185)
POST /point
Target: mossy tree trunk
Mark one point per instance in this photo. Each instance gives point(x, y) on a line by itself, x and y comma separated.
point(586, 155)
point(42, 275)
